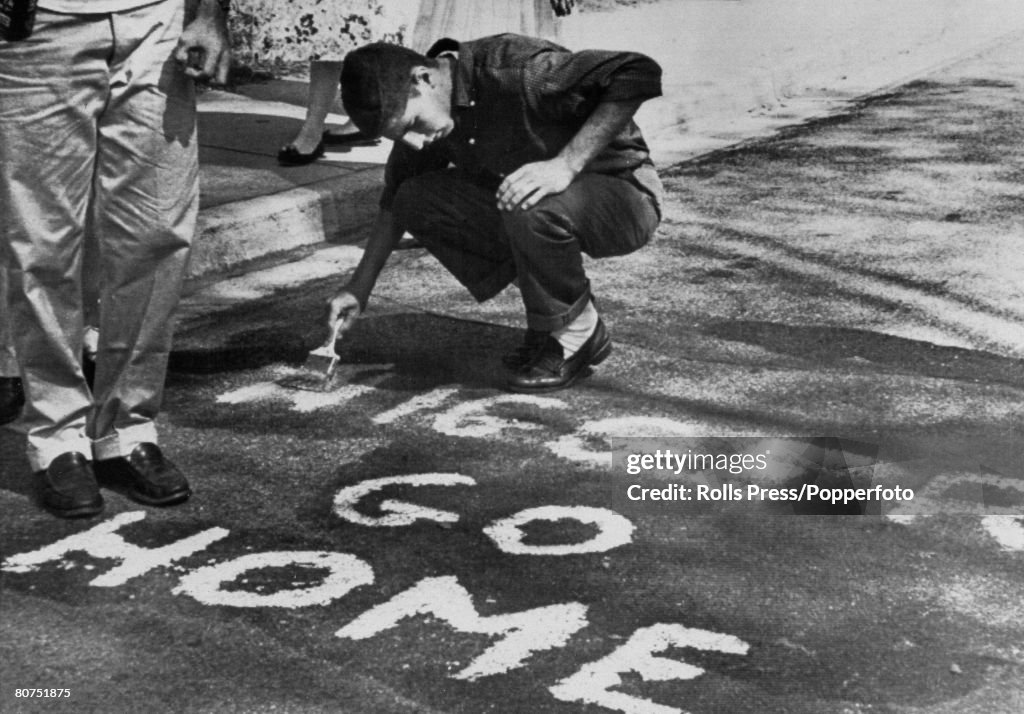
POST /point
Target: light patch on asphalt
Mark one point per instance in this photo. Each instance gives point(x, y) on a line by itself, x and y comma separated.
point(471, 418)
point(1008, 531)
point(396, 513)
point(523, 633)
point(593, 683)
point(102, 541)
point(614, 530)
point(345, 573)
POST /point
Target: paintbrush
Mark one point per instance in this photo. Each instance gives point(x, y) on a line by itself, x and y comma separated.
point(324, 359)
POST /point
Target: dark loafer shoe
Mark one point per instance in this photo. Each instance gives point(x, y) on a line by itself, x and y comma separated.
point(290, 156)
point(12, 399)
point(146, 476)
point(525, 353)
point(67, 487)
point(549, 371)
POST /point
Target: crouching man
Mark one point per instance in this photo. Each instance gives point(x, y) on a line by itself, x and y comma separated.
point(512, 157)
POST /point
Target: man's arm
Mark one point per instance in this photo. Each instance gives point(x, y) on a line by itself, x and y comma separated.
point(351, 300)
point(528, 184)
point(203, 49)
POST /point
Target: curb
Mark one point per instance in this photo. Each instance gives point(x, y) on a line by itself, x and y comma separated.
point(234, 234)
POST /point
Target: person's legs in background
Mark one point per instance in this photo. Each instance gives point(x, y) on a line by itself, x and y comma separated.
point(309, 144)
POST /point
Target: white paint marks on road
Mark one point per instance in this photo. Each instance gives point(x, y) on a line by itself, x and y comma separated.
point(593, 683)
point(523, 633)
point(471, 418)
point(345, 572)
point(101, 541)
point(300, 400)
point(579, 446)
point(431, 400)
point(1008, 531)
point(396, 513)
point(614, 530)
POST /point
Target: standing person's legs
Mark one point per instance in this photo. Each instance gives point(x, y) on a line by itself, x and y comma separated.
point(146, 202)
point(51, 91)
point(309, 144)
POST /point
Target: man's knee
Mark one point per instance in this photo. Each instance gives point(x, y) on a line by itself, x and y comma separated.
point(544, 220)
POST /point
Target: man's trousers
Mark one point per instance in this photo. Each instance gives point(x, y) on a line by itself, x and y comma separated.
point(97, 133)
point(458, 221)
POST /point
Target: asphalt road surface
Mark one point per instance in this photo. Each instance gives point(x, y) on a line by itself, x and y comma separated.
point(843, 301)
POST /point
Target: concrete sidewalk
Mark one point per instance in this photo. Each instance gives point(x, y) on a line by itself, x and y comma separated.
point(733, 71)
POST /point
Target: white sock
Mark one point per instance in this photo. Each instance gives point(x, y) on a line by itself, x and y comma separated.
point(577, 332)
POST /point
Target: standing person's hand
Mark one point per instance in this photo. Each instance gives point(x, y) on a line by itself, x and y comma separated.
point(562, 7)
point(204, 49)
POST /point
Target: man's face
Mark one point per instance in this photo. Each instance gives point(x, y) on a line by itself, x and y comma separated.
point(427, 117)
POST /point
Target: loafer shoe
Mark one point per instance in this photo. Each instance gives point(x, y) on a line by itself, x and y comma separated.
point(550, 371)
point(532, 343)
point(67, 487)
point(12, 399)
point(146, 476)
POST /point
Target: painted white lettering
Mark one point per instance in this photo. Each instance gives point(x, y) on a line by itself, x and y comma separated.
point(396, 513)
point(471, 418)
point(431, 400)
point(344, 573)
point(523, 633)
point(102, 542)
point(614, 530)
point(592, 684)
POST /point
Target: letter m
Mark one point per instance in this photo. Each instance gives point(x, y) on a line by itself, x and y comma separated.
point(523, 633)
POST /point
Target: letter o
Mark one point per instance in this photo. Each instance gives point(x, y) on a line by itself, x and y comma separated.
point(615, 530)
point(347, 572)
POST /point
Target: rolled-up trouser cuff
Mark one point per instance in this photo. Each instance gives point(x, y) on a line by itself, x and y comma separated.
point(123, 441)
point(550, 323)
point(41, 452)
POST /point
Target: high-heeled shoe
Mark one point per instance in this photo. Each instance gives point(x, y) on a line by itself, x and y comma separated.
point(290, 156)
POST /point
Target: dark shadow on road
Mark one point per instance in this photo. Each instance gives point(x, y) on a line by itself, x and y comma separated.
point(825, 344)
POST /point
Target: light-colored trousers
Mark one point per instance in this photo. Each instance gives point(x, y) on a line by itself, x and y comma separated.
point(97, 133)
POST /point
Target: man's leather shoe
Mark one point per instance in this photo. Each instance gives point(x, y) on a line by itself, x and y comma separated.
point(12, 399)
point(532, 343)
point(67, 487)
point(549, 371)
point(146, 476)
